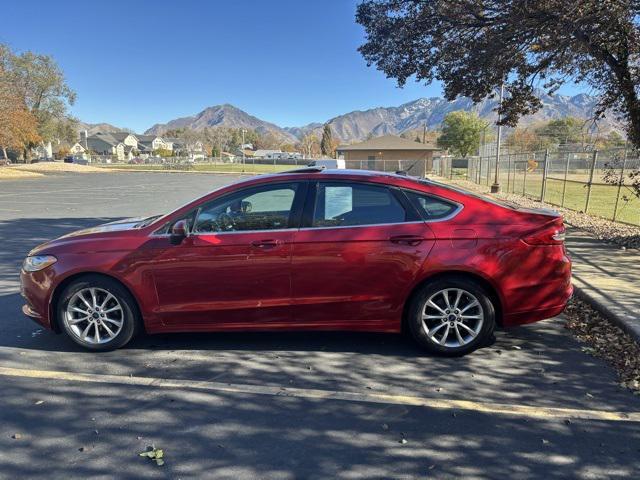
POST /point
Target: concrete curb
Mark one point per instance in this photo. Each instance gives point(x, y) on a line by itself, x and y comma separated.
point(602, 308)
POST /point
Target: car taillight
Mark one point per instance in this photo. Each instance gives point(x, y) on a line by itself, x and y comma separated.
point(549, 235)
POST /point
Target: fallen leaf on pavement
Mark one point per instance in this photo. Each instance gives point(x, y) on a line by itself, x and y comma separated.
point(154, 453)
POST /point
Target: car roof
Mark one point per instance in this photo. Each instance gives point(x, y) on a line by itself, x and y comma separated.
point(312, 173)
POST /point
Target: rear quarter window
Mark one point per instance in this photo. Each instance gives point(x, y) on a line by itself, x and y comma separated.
point(429, 207)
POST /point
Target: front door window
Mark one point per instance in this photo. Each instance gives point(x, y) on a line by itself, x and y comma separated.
point(261, 208)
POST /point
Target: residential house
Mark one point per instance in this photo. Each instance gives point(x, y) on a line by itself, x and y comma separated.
point(150, 143)
point(43, 151)
point(106, 144)
point(390, 152)
point(77, 149)
point(128, 139)
point(184, 148)
point(276, 155)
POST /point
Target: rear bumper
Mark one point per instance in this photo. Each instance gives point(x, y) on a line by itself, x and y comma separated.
point(537, 314)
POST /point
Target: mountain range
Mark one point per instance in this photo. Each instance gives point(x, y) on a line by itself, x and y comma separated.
point(358, 125)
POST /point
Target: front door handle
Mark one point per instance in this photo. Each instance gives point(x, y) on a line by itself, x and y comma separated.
point(407, 239)
point(269, 243)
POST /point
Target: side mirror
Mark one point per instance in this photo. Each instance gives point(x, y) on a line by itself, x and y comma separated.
point(179, 232)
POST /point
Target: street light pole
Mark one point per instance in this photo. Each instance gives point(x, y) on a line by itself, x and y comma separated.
point(495, 188)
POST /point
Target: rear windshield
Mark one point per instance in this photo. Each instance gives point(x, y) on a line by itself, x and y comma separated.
point(495, 201)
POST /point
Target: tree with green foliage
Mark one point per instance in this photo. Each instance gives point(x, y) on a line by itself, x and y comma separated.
point(327, 144)
point(613, 140)
point(163, 152)
point(563, 131)
point(474, 46)
point(461, 132)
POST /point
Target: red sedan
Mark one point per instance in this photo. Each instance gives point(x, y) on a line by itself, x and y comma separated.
point(308, 250)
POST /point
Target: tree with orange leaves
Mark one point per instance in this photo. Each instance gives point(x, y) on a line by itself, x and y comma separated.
point(18, 126)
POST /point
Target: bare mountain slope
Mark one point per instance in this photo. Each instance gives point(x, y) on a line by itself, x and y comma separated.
point(221, 116)
point(358, 125)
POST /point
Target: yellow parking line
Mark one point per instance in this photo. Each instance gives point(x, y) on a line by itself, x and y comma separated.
point(369, 397)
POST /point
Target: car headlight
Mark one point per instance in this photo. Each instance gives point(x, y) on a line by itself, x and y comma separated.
point(38, 262)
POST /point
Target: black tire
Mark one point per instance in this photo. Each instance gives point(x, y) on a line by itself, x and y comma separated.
point(418, 303)
point(130, 317)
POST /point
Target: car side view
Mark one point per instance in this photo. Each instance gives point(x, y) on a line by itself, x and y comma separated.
point(310, 249)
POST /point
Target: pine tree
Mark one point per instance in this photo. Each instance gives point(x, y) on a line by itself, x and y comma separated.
point(326, 144)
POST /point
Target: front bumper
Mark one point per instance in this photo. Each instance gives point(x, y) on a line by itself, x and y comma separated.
point(35, 288)
point(33, 315)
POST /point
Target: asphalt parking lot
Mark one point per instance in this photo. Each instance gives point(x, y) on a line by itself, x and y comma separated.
point(284, 406)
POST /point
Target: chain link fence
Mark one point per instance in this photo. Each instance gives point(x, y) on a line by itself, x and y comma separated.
point(260, 165)
point(597, 182)
point(411, 167)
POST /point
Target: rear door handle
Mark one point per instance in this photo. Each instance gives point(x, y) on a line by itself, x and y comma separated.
point(270, 243)
point(407, 239)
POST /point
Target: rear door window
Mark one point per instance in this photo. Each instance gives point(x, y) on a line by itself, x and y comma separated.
point(352, 204)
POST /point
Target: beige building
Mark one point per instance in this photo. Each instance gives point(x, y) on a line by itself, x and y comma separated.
point(389, 153)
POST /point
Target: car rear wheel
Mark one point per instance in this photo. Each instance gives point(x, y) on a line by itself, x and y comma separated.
point(98, 313)
point(451, 316)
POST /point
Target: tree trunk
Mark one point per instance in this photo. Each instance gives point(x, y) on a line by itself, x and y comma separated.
point(633, 109)
point(4, 153)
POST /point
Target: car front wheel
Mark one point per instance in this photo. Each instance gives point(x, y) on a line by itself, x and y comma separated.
point(98, 313)
point(452, 316)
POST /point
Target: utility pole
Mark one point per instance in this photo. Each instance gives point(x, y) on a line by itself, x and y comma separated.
point(242, 146)
point(495, 188)
point(424, 133)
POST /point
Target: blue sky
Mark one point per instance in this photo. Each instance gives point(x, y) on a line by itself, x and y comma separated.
point(136, 63)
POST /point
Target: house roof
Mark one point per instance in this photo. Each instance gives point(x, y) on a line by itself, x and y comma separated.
point(387, 142)
point(104, 137)
point(120, 136)
point(147, 138)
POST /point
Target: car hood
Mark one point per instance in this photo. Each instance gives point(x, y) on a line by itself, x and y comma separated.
point(99, 233)
point(117, 226)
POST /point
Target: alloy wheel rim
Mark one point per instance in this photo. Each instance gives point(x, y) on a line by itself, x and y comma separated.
point(452, 317)
point(94, 315)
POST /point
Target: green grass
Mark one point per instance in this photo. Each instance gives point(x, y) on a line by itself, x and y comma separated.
point(572, 196)
point(206, 167)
